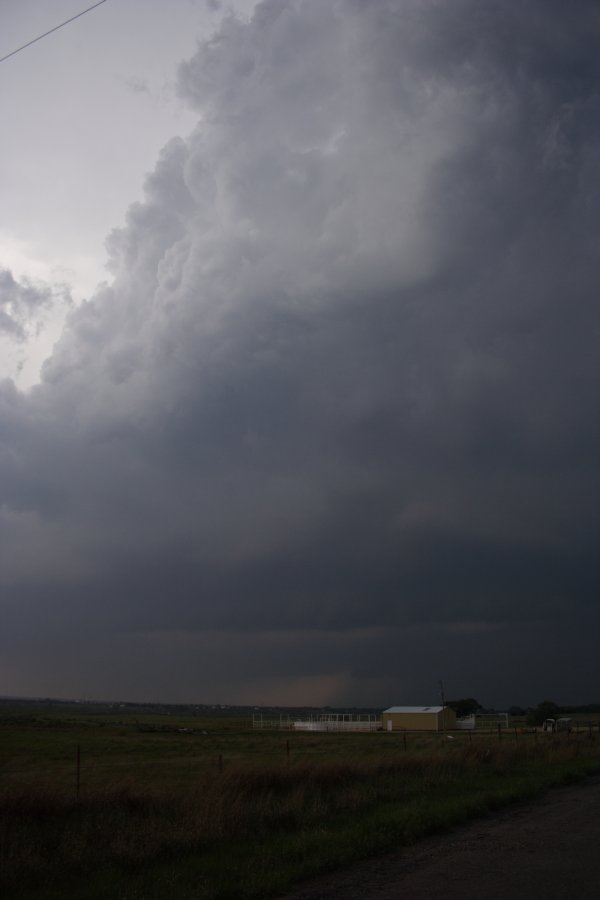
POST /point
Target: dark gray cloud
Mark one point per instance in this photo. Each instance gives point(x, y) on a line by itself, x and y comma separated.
point(331, 430)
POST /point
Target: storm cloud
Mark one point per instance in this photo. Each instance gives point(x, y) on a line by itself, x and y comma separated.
point(330, 432)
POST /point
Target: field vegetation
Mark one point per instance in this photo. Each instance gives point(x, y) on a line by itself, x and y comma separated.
point(98, 807)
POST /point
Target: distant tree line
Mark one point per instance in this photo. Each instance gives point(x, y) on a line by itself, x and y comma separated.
point(550, 710)
point(547, 709)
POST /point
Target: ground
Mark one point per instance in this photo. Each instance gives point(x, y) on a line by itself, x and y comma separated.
point(549, 849)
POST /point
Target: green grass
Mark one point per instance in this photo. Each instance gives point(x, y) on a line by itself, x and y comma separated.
point(229, 813)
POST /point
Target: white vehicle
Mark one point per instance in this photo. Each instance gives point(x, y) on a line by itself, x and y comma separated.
point(564, 725)
point(552, 725)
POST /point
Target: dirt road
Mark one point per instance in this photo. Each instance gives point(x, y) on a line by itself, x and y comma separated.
point(546, 849)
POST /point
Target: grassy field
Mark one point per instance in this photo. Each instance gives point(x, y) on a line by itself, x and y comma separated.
point(220, 811)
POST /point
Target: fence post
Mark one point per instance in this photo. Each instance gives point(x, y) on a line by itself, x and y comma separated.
point(287, 752)
point(404, 738)
point(499, 731)
point(78, 767)
point(220, 762)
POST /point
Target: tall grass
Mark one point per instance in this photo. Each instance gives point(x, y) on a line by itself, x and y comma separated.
point(250, 830)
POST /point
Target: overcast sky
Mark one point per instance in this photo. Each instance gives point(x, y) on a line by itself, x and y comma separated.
point(320, 425)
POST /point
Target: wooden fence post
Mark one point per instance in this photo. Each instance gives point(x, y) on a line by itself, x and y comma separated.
point(78, 767)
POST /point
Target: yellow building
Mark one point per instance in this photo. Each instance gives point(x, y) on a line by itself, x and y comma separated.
point(418, 718)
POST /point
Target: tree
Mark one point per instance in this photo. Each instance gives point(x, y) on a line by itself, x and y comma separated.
point(468, 706)
point(547, 709)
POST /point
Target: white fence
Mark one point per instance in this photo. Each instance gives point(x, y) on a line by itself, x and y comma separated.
point(320, 722)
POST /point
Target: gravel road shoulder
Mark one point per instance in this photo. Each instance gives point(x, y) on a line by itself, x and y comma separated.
point(547, 848)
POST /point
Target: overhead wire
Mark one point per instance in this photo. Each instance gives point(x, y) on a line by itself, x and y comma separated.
point(56, 27)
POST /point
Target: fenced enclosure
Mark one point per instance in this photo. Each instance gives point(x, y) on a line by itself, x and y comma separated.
point(491, 721)
point(328, 722)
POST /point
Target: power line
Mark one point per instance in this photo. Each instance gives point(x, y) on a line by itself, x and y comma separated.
point(56, 27)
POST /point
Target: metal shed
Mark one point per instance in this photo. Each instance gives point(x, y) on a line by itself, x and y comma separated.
point(418, 718)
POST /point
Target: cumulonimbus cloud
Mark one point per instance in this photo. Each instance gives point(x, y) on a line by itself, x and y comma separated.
point(345, 375)
point(24, 303)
